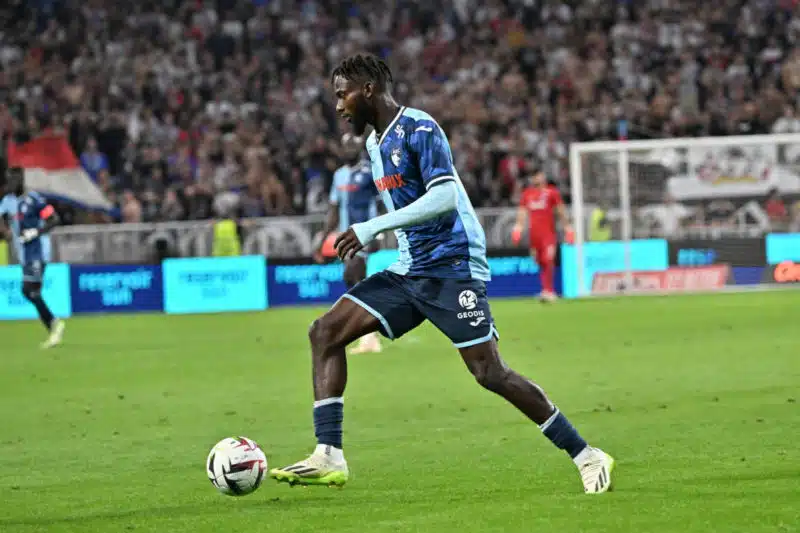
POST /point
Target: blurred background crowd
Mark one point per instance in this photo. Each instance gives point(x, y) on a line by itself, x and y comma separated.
point(186, 109)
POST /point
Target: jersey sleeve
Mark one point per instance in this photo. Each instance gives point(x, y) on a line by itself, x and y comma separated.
point(40, 204)
point(432, 151)
point(523, 198)
point(333, 197)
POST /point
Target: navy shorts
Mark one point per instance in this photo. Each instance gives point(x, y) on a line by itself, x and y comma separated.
point(33, 271)
point(457, 307)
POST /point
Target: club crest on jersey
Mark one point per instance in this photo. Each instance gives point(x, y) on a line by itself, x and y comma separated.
point(396, 156)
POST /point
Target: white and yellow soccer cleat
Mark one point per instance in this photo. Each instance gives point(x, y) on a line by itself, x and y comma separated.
point(547, 297)
point(596, 471)
point(320, 468)
point(56, 334)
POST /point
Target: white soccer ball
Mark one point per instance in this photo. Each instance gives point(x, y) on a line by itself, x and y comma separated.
point(236, 466)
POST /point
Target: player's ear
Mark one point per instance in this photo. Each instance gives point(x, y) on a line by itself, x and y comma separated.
point(368, 90)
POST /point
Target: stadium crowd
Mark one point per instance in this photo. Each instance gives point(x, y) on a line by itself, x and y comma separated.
point(183, 109)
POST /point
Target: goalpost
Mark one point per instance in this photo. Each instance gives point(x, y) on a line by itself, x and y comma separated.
point(684, 214)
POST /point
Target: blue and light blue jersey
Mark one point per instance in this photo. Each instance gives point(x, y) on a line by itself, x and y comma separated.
point(354, 192)
point(411, 156)
point(25, 212)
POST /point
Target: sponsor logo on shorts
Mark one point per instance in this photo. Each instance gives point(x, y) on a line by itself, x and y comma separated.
point(477, 322)
point(468, 300)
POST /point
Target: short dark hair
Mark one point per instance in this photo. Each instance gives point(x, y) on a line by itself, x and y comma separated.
point(366, 66)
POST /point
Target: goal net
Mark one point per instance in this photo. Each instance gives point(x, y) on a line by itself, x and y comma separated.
point(693, 214)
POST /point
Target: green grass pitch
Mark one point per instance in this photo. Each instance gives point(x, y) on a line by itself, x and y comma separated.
point(697, 398)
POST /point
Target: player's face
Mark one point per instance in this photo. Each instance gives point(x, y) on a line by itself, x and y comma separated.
point(15, 182)
point(352, 103)
point(538, 180)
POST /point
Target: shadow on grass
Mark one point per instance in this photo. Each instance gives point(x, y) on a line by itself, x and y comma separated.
point(149, 513)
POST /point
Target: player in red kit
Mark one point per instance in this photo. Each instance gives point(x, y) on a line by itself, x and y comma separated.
point(540, 203)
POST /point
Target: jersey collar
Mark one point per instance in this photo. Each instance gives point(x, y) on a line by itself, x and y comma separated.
point(391, 124)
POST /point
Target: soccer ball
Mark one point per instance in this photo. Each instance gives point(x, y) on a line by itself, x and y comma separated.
point(236, 466)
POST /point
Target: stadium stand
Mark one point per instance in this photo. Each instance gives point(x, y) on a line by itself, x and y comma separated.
point(183, 109)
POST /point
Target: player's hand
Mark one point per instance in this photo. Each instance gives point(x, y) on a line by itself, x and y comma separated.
point(569, 234)
point(347, 244)
point(28, 235)
point(516, 234)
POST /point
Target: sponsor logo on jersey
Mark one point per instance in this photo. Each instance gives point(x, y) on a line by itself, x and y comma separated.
point(387, 183)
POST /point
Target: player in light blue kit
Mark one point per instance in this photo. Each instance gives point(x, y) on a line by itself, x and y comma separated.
point(31, 218)
point(352, 201)
point(440, 276)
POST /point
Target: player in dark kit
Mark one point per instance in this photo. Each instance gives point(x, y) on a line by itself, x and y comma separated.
point(352, 201)
point(440, 276)
point(31, 218)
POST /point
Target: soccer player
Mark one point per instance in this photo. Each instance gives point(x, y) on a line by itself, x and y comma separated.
point(540, 203)
point(440, 276)
point(352, 201)
point(31, 218)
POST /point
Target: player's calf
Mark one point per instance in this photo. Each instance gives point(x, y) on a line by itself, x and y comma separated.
point(32, 292)
point(492, 373)
point(329, 334)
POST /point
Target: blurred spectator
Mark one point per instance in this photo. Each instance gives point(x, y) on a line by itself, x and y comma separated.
point(194, 106)
point(776, 210)
point(131, 207)
point(93, 160)
point(172, 209)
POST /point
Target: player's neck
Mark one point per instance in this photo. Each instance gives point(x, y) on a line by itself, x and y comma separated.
point(385, 111)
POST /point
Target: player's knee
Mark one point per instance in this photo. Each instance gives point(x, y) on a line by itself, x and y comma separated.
point(30, 291)
point(489, 373)
point(321, 333)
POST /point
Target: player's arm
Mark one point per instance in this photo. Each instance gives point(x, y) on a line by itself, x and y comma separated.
point(4, 230)
point(429, 147)
point(332, 220)
point(440, 199)
point(563, 217)
point(50, 220)
point(522, 214)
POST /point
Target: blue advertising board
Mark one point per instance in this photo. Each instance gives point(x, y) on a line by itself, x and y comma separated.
point(645, 254)
point(517, 276)
point(116, 289)
point(305, 284)
point(747, 275)
point(317, 284)
point(783, 247)
point(215, 284)
point(55, 290)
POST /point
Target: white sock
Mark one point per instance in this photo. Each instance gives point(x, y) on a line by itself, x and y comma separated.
point(583, 456)
point(336, 455)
